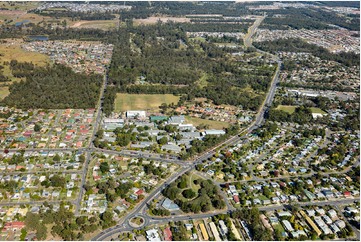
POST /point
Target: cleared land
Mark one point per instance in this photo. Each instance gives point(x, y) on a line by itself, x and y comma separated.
point(149, 102)
point(4, 91)
point(154, 20)
point(291, 109)
point(14, 52)
point(212, 123)
point(96, 24)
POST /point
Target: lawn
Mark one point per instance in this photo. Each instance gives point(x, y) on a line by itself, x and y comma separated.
point(148, 102)
point(14, 52)
point(4, 91)
point(291, 109)
point(286, 108)
point(317, 110)
point(212, 123)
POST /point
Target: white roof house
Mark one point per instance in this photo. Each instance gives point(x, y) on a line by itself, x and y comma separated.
point(136, 113)
point(152, 235)
point(287, 225)
point(213, 132)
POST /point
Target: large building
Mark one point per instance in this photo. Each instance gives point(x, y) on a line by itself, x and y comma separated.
point(214, 231)
point(136, 114)
point(112, 123)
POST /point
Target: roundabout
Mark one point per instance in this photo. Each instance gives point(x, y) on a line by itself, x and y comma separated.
point(137, 221)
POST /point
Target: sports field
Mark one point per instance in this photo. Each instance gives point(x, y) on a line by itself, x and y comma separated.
point(212, 123)
point(291, 109)
point(148, 102)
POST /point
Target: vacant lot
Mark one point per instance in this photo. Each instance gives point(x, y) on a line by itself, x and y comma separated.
point(148, 102)
point(4, 91)
point(154, 20)
point(212, 124)
point(14, 52)
point(96, 24)
point(291, 109)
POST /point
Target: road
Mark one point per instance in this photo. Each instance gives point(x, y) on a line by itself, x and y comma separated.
point(90, 146)
point(247, 40)
point(107, 234)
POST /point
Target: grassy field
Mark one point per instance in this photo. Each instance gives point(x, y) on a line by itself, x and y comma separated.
point(212, 124)
point(14, 52)
point(286, 108)
point(291, 109)
point(148, 102)
point(4, 91)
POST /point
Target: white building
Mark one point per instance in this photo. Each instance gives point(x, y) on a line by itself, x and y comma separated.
point(213, 132)
point(136, 114)
point(152, 235)
point(223, 228)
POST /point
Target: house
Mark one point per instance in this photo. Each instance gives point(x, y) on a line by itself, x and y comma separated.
point(171, 147)
point(213, 132)
point(170, 205)
point(298, 233)
point(223, 228)
point(327, 219)
point(203, 231)
point(152, 235)
point(236, 199)
point(340, 223)
point(284, 214)
point(176, 120)
point(214, 232)
point(136, 114)
point(347, 194)
point(157, 118)
point(14, 226)
point(287, 225)
point(189, 226)
point(332, 213)
point(167, 234)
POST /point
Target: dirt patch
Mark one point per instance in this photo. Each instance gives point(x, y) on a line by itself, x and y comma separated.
point(154, 20)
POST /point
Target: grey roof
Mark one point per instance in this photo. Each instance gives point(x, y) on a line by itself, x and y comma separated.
point(170, 205)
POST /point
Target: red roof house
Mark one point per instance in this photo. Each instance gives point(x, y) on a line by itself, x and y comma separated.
point(13, 226)
point(167, 234)
point(236, 199)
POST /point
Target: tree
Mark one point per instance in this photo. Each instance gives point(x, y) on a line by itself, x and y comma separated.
point(104, 167)
point(189, 193)
point(37, 127)
point(57, 158)
point(41, 232)
point(163, 141)
point(100, 134)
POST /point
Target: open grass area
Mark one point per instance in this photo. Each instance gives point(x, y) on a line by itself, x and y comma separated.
point(4, 91)
point(286, 108)
point(212, 123)
point(15, 52)
point(317, 110)
point(148, 102)
point(291, 109)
